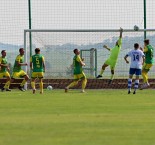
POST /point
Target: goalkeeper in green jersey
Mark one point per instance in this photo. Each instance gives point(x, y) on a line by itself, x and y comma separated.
point(37, 65)
point(112, 60)
point(78, 72)
point(4, 71)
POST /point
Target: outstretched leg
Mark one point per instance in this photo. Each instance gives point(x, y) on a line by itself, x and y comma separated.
point(102, 70)
point(74, 83)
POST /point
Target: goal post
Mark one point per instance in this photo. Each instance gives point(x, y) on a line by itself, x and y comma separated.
point(57, 46)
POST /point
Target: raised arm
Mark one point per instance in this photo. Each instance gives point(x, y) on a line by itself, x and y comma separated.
point(121, 31)
point(105, 46)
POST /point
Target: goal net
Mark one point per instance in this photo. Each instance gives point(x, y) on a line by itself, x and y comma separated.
point(57, 47)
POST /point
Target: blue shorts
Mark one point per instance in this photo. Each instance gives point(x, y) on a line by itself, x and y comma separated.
point(135, 71)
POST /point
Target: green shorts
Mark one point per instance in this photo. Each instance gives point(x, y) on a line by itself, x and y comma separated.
point(111, 63)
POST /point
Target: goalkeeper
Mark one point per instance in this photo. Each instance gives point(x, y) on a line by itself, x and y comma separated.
point(112, 60)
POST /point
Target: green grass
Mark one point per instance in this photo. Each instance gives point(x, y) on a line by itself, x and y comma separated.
point(98, 117)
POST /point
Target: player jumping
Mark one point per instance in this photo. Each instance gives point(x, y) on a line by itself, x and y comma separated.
point(112, 60)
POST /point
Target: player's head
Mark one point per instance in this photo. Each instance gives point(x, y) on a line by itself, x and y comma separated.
point(146, 41)
point(76, 51)
point(136, 46)
point(37, 50)
point(21, 51)
point(3, 52)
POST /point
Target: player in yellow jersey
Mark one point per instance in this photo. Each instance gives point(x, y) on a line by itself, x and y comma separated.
point(37, 65)
point(17, 69)
point(112, 60)
point(4, 71)
point(78, 72)
point(148, 51)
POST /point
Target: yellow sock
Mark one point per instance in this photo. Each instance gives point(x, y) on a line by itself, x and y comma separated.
point(33, 85)
point(72, 84)
point(23, 83)
point(145, 77)
point(84, 82)
point(7, 85)
point(101, 72)
point(41, 87)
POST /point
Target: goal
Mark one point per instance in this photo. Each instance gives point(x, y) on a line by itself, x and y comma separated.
point(57, 47)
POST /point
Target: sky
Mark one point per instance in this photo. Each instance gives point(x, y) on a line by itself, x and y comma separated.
point(71, 14)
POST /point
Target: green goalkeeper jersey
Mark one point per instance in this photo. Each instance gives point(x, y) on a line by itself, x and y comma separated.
point(77, 65)
point(37, 62)
point(16, 67)
point(3, 61)
point(148, 50)
point(115, 50)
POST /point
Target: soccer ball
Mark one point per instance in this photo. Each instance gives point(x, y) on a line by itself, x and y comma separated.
point(136, 28)
point(49, 87)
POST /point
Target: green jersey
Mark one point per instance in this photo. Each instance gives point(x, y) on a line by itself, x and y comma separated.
point(37, 62)
point(3, 61)
point(148, 50)
point(115, 50)
point(76, 64)
point(16, 67)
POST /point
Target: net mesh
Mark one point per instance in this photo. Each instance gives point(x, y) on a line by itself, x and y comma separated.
point(57, 47)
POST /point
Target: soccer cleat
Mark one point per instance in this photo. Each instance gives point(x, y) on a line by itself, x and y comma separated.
point(82, 91)
point(34, 91)
point(144, 86)
point(134, 92)
point(99, 76)
point(129, 92)
point(9, 90)
point(66, 90)
point(109, 82)
point(21, 88)
point(2, 89)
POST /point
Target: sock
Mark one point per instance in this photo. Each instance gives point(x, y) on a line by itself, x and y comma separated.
point(33, 85)
point(23, 83)
point(72, 84)
point(112, 76)
point(101, 72)
point(41, 87)
point(129, 84)
point(145, 77)
point(7, 85)
point(84, 82)
point(136, 84)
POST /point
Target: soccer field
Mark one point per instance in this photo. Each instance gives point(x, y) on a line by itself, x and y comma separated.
point(98, 117)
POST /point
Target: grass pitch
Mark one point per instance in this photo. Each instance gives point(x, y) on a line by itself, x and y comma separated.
point(98, 117)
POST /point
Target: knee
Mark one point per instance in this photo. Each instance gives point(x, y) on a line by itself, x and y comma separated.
point(103, 67)
point(26, 77)
point(112, 71)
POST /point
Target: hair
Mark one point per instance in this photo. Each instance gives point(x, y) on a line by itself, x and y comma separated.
point(37, 50)
point(75, 50)
point(136, 45)
point(3, 51)
point(147, 41)
point(20, 49)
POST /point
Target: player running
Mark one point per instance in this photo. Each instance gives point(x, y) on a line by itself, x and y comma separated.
point(17, 69)
point(37, 65)
point(137, 60)
point(112, 60)
point(78, 72)
point(4, 71)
